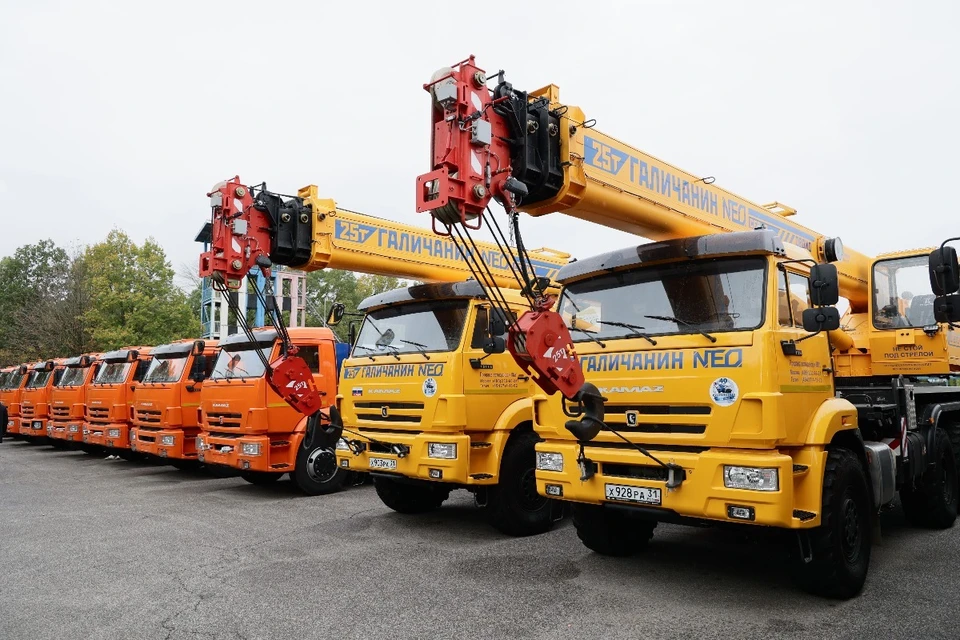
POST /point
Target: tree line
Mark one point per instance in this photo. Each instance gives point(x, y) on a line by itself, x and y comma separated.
point(117, 293)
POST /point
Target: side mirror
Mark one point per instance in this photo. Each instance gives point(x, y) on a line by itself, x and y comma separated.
point(336, 314)
point(496, 345)
point(822, 319)
point(947, 308)
point(824, 285)
point(199, 370)
point(498, 326)
point(944, 271)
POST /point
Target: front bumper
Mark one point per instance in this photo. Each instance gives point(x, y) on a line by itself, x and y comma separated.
point(13, 426)
point(151, 441)
point(33, 427)
point(93, 434)
point(415, 463)
point(226, 451)
point(702, 494)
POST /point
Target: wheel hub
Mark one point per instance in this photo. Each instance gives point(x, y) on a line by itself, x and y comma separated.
point(530, 500)
point(851, 533)
point(321, 465)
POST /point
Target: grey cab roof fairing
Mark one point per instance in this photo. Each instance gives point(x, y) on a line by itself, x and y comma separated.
point(262, 335)
point(437, 291)
point(760, 241)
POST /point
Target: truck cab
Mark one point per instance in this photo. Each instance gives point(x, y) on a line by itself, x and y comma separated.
point(166, 405)
point(69, 400)
point(247, 426)
point(728, 392)
point(12, 381)
point(428, 407)
point(35, 399)
point(110, 396)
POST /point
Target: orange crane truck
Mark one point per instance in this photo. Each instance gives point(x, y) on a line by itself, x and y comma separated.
point(69, 400)
point(12, 381)
point(110, 398)
point(707, 377)
point(35, 400)
point(166, 405)
point(246, 423)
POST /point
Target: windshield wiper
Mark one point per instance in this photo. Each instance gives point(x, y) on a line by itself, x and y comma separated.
point(422, 348)
point(590, 334)
point(360, 346)
point(633, 329)
point(395, 353)
point(684, 323)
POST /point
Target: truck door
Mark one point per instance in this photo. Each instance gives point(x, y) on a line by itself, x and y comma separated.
point(490, 382)
point(804, 379)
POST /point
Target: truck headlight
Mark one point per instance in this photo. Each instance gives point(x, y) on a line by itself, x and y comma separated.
point(200, 444)
point(250, 449)
point(113, 433)
point(74, 428)
point(342, 445)
point(753, 478)
point(547, 461)
point(168, 441)
point(445, 450)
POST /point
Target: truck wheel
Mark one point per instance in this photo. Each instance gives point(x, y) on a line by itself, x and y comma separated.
point(840, 546)
point(933, 502)
point(513, 506)
point(317, 473)
point(260, 478)
point(410, 498)
point(609, 532)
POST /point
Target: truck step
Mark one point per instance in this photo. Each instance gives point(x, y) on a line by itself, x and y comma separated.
point(480, 476)
point(803, 516)
point(480, 445)
point(800, 469)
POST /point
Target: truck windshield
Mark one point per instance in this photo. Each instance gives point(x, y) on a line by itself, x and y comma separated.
point(412, 328)
point(72, 377)
point(242, 360)
point(166, 369)
point(112, 373)
point(902, 296)
point(691, 297)
point(38, 379)
point(9, 379)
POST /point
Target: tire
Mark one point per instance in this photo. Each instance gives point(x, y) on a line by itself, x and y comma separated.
point(4, 418)
point(840, 546)
point(933, 503)
point(403, 497)
point(260, 478)
point(513, 506)
point(316, 472)
point(610, 532)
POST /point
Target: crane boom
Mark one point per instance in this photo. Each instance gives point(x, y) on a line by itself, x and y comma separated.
point(312, 233)
point(537, 155)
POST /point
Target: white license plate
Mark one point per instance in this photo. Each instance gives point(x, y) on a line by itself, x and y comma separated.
point(626, 493)
point(383, 463)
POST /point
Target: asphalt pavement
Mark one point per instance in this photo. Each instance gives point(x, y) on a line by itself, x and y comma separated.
point(95, 548)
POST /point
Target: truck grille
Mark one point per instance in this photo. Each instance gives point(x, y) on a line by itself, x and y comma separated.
point(99, 414)
point(61, 412)
point(26, 411)
point(636, 471)
point(395, 412)
point(224, 420)
point(148, 417)
point(652, 418)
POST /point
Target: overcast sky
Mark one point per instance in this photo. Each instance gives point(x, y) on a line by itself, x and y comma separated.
point(124, 114)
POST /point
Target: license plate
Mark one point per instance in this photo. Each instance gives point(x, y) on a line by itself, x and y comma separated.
point(626, 493)
point(383, 463)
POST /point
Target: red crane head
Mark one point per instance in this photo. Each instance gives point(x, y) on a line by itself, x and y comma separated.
point(240, 234)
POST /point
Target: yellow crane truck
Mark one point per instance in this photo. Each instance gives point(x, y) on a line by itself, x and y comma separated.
point(707, 377)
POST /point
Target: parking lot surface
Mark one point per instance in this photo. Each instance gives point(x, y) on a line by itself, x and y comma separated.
point(95, 548)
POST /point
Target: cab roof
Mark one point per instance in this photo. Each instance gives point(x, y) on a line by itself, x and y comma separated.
point(714, 245)
point(467, 289)
point(269, 334)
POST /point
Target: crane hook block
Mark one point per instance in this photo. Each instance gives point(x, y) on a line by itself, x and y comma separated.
point(540, 342)
point(291, 378)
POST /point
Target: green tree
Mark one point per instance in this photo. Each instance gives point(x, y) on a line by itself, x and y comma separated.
point(329, 286)
point(133, 297)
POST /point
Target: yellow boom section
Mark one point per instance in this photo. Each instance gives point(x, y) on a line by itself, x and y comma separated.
point(614, 184)
point(357, 242)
